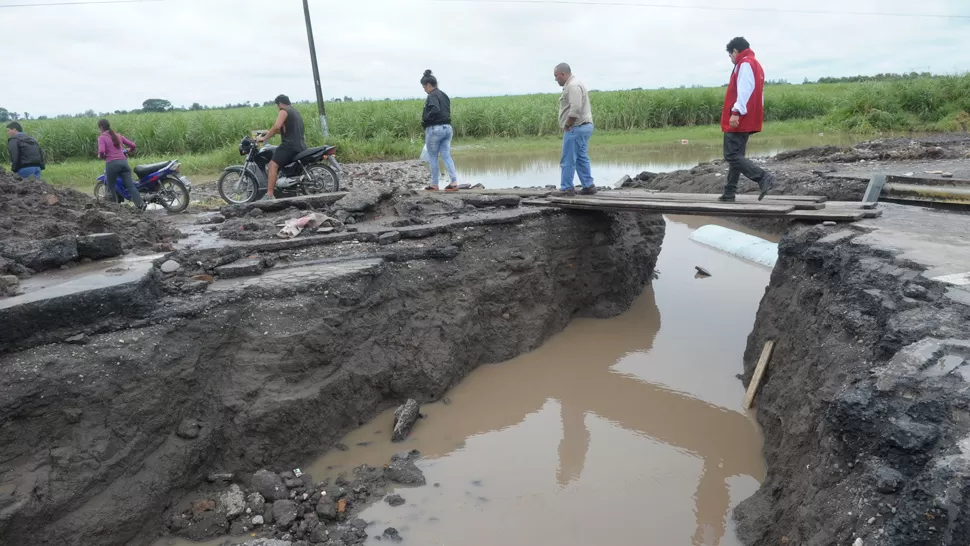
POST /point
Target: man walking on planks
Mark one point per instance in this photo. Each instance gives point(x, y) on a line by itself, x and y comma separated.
point(576, 122)
point(742, 116)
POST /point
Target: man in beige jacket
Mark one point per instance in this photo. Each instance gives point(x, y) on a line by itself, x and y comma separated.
point(576, 121)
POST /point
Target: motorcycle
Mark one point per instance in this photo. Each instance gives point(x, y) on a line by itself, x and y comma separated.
point(159, 183)
point(306, 175)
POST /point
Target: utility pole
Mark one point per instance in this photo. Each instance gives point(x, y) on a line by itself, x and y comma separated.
point(316, 72)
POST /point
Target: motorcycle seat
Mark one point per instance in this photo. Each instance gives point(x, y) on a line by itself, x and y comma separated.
point(143, 170)
point(309, 151)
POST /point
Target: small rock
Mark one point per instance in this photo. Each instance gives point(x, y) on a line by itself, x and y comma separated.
point(829, 223)
point(888, 480)
point(233, 501)
point(404, 472)
point(293, 483)
point(404, 418)
point(99, 246)
point(202, 505)
point(327, 508)
point(51, 200)
point(391, 534)
point(269, 485)
point(702, 271)
point(915, 291)
point(341, 447)
point(188, 429)
point(163, 247)
point(241, 268)
point(79, 339)
point(284, 512)
point(219, 477)
point(255, 213)
point(389, 238)
point(395, 500)
point(858, 542)
point(170, 266)
point(257, 520)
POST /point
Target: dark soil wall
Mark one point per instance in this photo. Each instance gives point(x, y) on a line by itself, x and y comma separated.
point(865, 408)
point(98, 439)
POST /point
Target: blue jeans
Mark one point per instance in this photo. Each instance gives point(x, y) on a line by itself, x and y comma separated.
point(575, 156)
point(438, 140)
point(29, 171)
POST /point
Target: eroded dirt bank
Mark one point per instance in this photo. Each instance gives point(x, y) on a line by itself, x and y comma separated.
point(109, 421)
point(866, 405)
point(839, 173)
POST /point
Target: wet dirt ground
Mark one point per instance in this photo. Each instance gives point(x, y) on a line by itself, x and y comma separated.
point(629, 428)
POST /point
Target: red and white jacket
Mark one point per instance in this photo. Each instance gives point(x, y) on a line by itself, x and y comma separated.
point(745, 95)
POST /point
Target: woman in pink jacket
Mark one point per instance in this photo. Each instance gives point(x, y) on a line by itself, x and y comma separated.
point(111, 148)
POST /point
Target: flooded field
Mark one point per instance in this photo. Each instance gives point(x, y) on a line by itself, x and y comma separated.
point(629, 429)
point(610, 163)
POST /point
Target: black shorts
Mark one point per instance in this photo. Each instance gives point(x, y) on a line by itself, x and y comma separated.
point(284, 156)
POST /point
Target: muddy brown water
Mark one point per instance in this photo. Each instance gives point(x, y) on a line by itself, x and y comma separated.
point(627, 430)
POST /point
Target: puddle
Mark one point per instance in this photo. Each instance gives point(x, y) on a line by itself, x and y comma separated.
point(610, 163)
point(629, 428)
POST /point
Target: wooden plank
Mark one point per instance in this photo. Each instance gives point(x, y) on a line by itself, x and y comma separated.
point(704, 198)
point(695, 196)
point(850, 205)
point(826, 215)
point(676, 206)
point(741, 211)
point(759, 372)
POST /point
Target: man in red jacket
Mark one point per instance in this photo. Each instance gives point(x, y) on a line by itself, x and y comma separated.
point(742, 116)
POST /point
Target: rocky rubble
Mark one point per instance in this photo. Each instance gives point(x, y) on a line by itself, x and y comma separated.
point(43, 227)
point(293, 508)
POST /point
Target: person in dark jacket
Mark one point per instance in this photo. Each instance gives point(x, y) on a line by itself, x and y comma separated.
point(26, 157)
point(436, 120)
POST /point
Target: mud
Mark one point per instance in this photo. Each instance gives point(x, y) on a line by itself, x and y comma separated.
point(114, 415)
point(839, 173)
point(865, 404)
point(37, 218)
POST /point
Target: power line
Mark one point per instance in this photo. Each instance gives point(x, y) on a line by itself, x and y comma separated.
point(87, 3)
point(707, 8)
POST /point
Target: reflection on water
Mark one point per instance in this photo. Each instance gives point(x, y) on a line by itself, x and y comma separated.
point(610, 163)
point(629, 428)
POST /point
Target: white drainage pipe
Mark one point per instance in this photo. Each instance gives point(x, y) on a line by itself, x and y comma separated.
point(742, 245)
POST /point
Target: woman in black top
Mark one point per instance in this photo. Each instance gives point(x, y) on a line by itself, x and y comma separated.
point(436, 120)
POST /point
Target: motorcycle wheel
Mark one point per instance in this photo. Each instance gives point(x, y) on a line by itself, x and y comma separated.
point(236, 187)
point(173, 195)
point(100, 193)
point(323, 179)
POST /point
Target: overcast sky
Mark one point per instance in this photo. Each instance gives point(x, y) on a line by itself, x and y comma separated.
point(68, 59)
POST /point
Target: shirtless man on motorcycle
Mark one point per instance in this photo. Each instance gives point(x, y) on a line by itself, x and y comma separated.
point(289, 125)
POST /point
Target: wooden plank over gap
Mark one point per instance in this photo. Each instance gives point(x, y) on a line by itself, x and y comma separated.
point(759, 372)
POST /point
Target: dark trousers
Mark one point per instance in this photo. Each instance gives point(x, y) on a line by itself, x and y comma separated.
point(112, 170)
point(735, 147)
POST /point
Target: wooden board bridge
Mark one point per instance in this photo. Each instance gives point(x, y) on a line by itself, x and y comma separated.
point(791, 207)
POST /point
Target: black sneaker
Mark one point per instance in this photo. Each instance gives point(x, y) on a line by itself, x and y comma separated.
point(726, 198)
point(589, 191)
point(766, 184)
point(567, 193)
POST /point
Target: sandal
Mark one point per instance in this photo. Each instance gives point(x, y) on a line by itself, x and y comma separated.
point(431, 188)
point(451, 187)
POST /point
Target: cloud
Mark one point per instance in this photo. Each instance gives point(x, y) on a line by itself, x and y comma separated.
point(109, 57)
